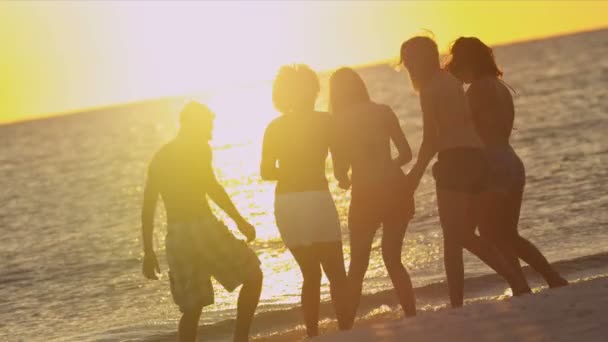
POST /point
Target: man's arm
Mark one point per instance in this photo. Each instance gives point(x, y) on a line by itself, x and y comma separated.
point(151, 192)
point(218, 194)
point(268, 167)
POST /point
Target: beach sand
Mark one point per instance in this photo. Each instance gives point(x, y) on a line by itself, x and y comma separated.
point(578, 312)
point(486, 297)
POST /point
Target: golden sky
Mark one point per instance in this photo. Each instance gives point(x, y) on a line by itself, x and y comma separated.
point(61, 56)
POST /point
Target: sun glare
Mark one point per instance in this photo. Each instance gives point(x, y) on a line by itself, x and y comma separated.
point(72, 55)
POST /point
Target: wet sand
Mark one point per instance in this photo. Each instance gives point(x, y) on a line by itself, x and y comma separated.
point(578, 312)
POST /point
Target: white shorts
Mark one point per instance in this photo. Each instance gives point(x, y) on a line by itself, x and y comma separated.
point(304, 218)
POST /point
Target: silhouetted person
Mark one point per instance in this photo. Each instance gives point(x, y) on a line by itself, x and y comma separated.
point(294, 152)
point(364, 131)
point(461, 171)
point(198, 245)
point(493, 113)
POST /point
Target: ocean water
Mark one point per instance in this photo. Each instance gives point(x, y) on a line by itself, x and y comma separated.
point(71, 190)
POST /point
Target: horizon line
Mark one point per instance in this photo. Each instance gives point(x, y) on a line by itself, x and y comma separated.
point(82, 110)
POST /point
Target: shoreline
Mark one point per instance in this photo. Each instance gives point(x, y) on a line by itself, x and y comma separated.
point(575, 312)
point(383, 308)
point(285, 324)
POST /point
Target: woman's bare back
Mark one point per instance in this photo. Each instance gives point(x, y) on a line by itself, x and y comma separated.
point(444, 102)
point(493, 110)
point(365, 135)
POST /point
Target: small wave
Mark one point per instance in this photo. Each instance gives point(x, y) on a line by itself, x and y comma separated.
point(285, 323)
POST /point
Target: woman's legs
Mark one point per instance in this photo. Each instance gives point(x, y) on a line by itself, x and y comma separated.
point(492, 214)
point(392, 243)
point(309, 263)
point(529, 253)
point(188, 325)
point(332, 259)
point(503, 230)
point(458, 224)
point(450, 218)
point(360, 249)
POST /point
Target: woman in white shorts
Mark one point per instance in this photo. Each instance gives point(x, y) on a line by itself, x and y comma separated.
point(295, 150)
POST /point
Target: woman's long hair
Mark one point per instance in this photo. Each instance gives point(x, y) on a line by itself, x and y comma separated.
point(420, 56)
point(472, 54)
point(345, 89)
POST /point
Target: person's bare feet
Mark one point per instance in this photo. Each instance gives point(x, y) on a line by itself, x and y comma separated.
point(521, 291)
point(558, 282)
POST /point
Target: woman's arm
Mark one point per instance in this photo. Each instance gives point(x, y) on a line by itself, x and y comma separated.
point(268, 168)
point(339, 157)
point(428, 147)
point(398, 137)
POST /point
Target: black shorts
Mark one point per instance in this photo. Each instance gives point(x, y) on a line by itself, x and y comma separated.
point(462, 169)
point(507, 171)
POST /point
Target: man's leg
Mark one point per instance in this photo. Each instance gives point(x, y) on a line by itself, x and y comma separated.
point(249, 297)
point(188, 325)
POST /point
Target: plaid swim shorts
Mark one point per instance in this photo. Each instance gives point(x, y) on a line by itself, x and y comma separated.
point(199, 250)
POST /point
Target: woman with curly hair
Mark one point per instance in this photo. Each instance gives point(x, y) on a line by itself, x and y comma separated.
point(294, 152)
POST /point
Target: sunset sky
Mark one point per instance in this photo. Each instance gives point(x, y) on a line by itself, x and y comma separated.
point(61, 56)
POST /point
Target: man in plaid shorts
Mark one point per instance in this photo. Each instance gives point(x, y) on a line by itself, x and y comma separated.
point(198, 245)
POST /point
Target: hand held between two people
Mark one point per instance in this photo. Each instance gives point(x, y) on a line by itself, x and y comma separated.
point(411, 183)
point(344, 183)
point(246, 229)
point(412, 180)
